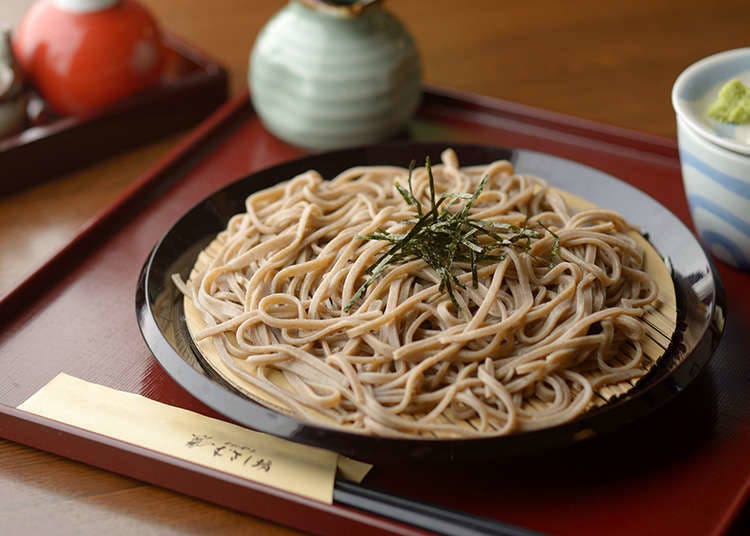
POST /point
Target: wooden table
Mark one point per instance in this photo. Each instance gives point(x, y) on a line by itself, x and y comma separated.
point(611, 62)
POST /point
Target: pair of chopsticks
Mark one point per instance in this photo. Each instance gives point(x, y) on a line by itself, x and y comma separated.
point(422, 515)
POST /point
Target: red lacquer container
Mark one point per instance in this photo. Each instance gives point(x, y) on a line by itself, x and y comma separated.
point(83, 56)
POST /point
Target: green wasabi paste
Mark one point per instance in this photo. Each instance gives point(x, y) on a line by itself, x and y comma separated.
point(732, 104)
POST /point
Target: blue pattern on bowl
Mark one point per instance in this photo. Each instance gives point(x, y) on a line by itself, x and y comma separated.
point(719, 242)
point(697, 201)
point(729, 182)
point(717, 183)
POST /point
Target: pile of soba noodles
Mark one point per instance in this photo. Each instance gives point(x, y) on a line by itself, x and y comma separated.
point(524, 344)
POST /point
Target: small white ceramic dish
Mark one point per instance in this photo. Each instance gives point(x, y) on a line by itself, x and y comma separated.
point(697, 88)
point(715, 159)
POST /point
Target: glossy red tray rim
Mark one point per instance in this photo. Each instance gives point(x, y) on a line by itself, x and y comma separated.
point(189, 94)
point(59, 124)
point(184, 477)
point(39, 432)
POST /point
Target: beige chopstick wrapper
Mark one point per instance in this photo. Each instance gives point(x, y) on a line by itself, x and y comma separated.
point(193, 437)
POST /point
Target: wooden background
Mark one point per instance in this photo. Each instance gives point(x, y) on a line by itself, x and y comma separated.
point(613, 62)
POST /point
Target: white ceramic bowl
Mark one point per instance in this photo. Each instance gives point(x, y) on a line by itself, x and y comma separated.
point(715, 158)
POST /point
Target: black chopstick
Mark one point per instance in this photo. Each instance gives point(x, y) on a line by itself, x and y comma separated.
point(419, 514)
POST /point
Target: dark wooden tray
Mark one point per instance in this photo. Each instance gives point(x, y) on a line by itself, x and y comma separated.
point(683, 469)
point(193, 86)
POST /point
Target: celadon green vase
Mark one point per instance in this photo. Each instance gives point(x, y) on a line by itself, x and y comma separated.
point(327, 75)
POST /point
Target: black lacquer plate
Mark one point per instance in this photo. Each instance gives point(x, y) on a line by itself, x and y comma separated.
point(699, 298)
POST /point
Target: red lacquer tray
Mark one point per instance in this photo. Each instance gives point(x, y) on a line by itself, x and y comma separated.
point(192, 86)
point(683, 469)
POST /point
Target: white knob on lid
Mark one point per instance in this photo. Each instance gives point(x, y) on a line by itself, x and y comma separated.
point(84, 6)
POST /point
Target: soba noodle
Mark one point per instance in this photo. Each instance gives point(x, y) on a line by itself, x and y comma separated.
point(517, 352)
